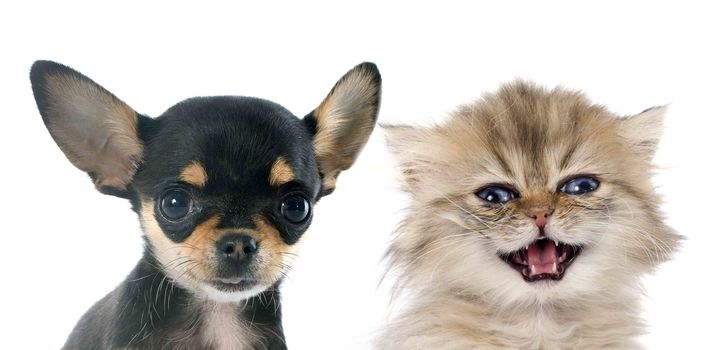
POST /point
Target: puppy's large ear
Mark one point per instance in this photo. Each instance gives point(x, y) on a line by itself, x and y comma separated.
point(95, 130)
point(342, 124)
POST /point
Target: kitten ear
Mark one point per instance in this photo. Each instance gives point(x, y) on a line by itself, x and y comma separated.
point(406, 144)
point(643, 131)
point(343, 122)
point(95, 130)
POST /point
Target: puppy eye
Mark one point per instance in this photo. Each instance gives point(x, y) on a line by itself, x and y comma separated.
point(175, 204)
point(580, 185)
point(496, 194)
point(295, 208)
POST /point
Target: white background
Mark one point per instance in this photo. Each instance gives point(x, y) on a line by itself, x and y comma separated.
point(64, 246)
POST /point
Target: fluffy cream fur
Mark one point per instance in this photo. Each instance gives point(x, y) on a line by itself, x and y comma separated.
point(459, 293)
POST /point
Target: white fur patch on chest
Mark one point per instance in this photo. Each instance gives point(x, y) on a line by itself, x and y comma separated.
point(223, 330)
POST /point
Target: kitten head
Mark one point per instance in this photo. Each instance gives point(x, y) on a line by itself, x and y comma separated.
point(529, 196)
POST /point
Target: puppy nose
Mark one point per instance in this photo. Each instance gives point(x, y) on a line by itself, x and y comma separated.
point(237, 246)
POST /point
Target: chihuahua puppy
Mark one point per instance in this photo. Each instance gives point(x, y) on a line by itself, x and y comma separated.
point(224, 189)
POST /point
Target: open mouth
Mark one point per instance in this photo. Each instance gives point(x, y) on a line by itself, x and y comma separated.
point(233, 284)
point(542, 259)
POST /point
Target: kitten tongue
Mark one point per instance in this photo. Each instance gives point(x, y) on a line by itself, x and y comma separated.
point(542, 257)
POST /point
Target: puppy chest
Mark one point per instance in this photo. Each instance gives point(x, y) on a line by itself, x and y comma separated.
point(223, 329)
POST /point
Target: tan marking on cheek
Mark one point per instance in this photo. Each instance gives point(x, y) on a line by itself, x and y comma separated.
point(280, 172)
point(194, 174)
point(202, 246)
point(280, 254)
point(187, 261)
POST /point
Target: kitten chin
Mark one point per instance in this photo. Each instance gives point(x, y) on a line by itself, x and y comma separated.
point(532, 219)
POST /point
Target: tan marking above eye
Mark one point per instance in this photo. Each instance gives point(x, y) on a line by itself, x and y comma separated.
point(194, 174)
point(280, 172)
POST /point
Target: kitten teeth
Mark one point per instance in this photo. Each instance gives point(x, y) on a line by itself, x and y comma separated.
point(556, 242)
point(563, 256)
point(555, 267)
point(532, 270)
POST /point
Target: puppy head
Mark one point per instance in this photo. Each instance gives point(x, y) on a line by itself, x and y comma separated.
point(224, 186)
point(530, 195)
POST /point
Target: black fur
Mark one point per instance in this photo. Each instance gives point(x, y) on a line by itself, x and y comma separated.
point(236, 139)
point(148, 311)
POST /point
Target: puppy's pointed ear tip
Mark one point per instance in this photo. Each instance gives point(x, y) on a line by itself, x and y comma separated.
point(39, 72)
point(368, 66)
point(41, 68)
point(370, 69)
point(44, 64)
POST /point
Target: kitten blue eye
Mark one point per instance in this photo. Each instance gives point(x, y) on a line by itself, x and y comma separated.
point(496, 194)
point(580, 185)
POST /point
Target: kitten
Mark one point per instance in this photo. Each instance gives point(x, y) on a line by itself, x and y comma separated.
point(532, 218)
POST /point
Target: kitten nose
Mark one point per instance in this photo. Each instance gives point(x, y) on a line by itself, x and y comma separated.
point(540, 217)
